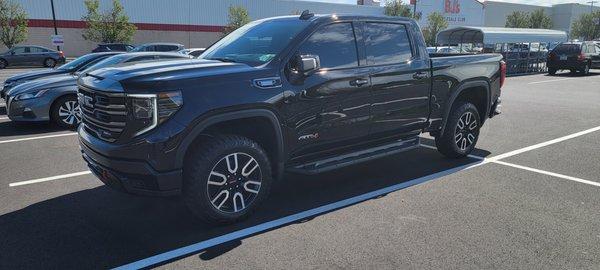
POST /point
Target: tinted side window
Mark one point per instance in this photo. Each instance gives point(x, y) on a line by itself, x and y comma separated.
point(387, 43)
point(19, 50)
point(335, 45)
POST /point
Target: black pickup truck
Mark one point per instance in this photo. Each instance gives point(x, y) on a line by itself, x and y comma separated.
point(302, 94)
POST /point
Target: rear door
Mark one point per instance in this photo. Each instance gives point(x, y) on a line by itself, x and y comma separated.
point(595, 54)
point(400, 80)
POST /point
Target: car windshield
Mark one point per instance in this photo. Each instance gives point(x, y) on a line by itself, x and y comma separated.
point(110, 61)
point(77, 62)
point(139, 49)
point(256, 43)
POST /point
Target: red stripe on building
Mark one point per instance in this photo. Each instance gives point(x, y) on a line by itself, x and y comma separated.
point(140, 26)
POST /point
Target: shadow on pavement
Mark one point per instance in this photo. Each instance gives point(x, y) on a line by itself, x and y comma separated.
point(10, 128)
point(101, 228)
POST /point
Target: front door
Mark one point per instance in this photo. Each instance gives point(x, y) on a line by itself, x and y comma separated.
point(400, 80)
point(330, 108)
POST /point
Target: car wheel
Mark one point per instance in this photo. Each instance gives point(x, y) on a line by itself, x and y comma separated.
point(49, 62)
point(225, 179)
point(585, 71)
point(3, 64)
point(461, 132)
point(66, 112)
point(552, 71)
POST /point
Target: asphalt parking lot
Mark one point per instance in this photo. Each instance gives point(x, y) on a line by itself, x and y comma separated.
point(527, 199)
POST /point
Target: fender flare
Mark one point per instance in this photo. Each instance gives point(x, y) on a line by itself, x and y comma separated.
point(461, 88)
point(197, 130)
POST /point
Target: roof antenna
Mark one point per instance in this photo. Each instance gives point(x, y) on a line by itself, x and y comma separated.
point(306, 15)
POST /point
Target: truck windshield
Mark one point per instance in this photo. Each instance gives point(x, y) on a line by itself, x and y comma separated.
point(256, 43)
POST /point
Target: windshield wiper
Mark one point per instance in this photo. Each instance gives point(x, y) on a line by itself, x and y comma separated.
point(223, 59)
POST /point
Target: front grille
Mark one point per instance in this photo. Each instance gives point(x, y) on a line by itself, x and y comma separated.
point(104, 114)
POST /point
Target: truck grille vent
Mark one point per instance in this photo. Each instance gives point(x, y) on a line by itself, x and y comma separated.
point(104, 114)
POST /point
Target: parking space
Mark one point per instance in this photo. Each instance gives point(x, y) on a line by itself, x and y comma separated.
point(527, 199)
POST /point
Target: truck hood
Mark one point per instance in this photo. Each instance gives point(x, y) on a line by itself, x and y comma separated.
point(32, 75)
point(150, 73)
point(45, 83)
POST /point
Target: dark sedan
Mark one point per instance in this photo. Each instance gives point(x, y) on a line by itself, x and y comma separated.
point(31, 56)
point(71, 67)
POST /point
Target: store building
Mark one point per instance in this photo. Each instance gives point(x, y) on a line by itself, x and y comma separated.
point(193, 23)
point(198, 23)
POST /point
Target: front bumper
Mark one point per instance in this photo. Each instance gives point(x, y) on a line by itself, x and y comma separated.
point(131, 176)
point(30, 110)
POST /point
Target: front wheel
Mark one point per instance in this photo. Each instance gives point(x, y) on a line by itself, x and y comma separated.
point(552, 71)
point(225, 179)
point(461, 132)
point(66, 112)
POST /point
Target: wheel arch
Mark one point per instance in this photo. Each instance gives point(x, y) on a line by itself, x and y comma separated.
point(466, 91)
point(265, 118)
point(55, 99)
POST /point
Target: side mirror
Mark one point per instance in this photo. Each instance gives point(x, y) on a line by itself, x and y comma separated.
point(308, 64)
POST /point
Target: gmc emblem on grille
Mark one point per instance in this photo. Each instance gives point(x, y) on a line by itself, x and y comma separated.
point(87, 101)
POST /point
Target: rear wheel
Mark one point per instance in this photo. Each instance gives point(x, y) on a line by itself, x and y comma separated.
point(461, 132)
point(49, 62)
point(552, 71)
point(66, 112)
point(225, 179)
point(3, 64)
point(585, 70)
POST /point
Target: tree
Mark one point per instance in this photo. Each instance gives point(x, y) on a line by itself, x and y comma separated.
point(587, 27)
point(435, 23)
point(110, 26)
point(397, 8)
point(237, 17)
point(517, 19)
point(539, 19)
point(13, 23)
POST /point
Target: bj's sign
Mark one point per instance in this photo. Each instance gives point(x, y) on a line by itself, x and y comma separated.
point(456, 12)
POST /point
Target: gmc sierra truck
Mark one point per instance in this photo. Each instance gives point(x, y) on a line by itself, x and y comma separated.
point(302, 94)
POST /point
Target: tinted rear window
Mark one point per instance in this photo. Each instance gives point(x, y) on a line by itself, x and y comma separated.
point(568, 48)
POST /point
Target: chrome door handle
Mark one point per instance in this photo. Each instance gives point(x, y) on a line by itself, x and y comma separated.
point(420, 75)
point(359, 82)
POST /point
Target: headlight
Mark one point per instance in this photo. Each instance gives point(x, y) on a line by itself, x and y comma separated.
point(153, 109)
point(30, 95)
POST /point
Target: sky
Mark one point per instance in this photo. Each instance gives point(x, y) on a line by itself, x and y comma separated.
point(529, 2)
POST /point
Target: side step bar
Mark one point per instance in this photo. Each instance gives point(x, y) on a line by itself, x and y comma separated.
point(337, 162)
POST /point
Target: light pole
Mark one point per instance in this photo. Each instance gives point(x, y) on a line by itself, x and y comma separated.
point(592, 5)
point(54, 21)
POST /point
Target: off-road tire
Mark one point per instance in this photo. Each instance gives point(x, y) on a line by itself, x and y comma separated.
point(447, 144)
point(198, 169)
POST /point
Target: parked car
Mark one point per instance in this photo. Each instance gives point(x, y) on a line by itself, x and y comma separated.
point(159, 47)
point(55, 98)
point(301, 94)
point(575, 57)
point(195, 52)
point(71, 67)
point(113, 47)
point(28, 55)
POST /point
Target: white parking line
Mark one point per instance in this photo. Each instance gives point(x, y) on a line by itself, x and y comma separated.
point(170, 255)
point(543, 144)
point(548, 81)
point(46, 179)
point(39, 137)
point(549, 173)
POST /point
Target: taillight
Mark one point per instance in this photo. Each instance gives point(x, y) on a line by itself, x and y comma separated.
point(581, 57)
point(552, 56)
point(61, 54)
point(502, 73)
